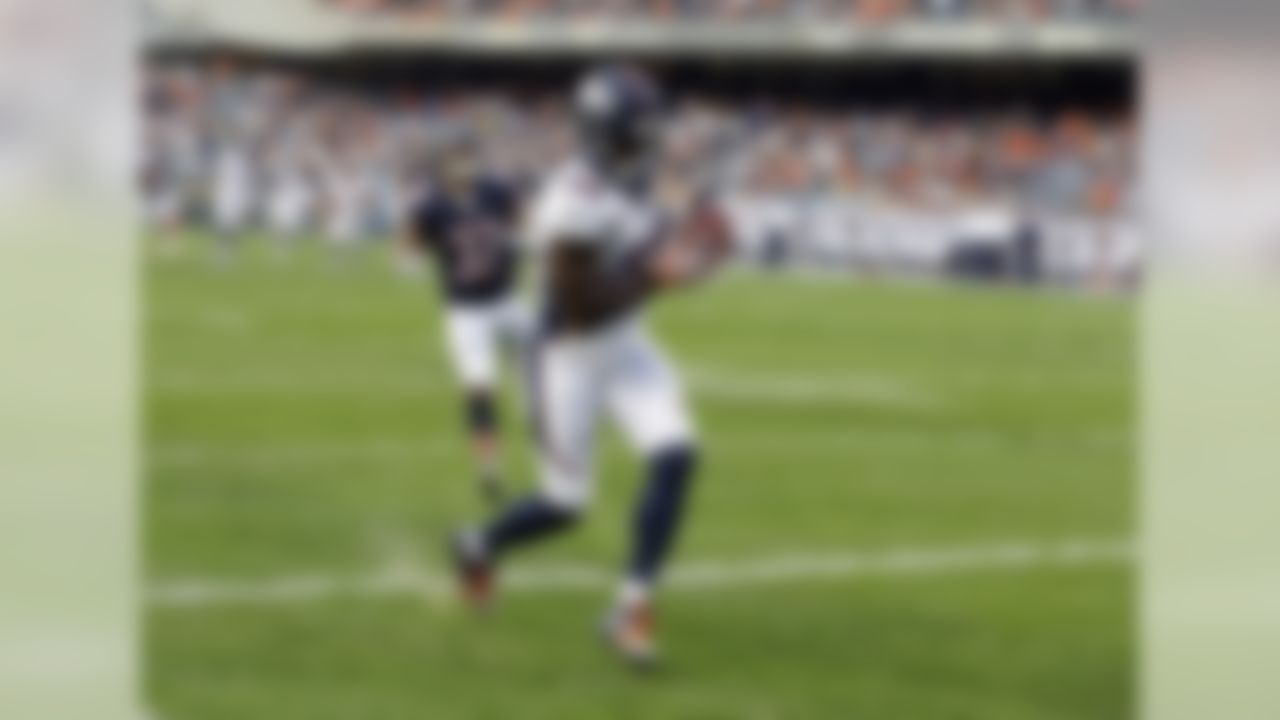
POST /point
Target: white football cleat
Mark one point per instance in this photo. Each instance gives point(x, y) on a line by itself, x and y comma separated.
point(474, 569)
point(630, 631)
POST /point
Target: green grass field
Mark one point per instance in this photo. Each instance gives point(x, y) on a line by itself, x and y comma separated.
point(302, 424)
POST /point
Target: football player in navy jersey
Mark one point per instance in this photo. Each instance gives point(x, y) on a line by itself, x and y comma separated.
point(466, 224)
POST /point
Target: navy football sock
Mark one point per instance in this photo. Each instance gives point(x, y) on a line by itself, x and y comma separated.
point(657, 519)
point(482, 412)
point(530, 519)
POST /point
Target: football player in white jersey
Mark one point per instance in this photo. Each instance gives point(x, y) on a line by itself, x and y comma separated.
point(602, 247)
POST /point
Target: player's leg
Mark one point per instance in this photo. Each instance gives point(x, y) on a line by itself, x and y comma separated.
point(472, 338)
point(567, 404)
point(519, 330)
point(646, 398)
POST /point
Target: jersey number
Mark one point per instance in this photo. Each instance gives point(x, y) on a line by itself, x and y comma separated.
point(476, 247)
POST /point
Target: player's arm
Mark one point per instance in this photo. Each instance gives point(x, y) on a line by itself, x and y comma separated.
point(409, 241)
point(584, 294)
point(410, 250)
point(587, 291)
point(697, 247)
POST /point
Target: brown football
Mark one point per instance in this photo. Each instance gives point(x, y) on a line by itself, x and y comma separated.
point(708, 227)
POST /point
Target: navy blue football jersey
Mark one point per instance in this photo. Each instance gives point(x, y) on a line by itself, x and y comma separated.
point(471, 236)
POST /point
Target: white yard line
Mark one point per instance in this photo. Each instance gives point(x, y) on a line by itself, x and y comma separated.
point(402, 579)
point(294, 454)
point(766, 388)
point(285, 454)
point(806, 389)
point(326, 385)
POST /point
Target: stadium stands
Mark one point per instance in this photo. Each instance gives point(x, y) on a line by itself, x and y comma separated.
point(874, 189)
point(719, 11)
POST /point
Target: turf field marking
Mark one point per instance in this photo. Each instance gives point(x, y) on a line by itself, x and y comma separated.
point(175, 454)
point(183, 455)
point(808, 389)
point(764, 388)
point(403, 579)
point(319, 385)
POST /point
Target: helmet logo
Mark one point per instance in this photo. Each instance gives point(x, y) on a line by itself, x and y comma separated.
point(596, 97)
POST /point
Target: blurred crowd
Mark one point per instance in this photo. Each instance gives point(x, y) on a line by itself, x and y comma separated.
point(234, 149)
point(744, 10)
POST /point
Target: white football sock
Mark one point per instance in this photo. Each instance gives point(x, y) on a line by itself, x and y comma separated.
point(633, 592)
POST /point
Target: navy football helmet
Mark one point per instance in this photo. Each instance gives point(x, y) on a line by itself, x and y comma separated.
point(619, 112)
point(456, 163)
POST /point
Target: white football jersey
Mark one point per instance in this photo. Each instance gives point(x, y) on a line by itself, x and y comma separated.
point(615, 371)
point(578, 204)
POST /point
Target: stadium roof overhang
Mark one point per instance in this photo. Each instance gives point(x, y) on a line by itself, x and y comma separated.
point(304, 26)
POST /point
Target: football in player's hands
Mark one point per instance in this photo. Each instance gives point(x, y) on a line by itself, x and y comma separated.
point(708, 228)
point(701, 241)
